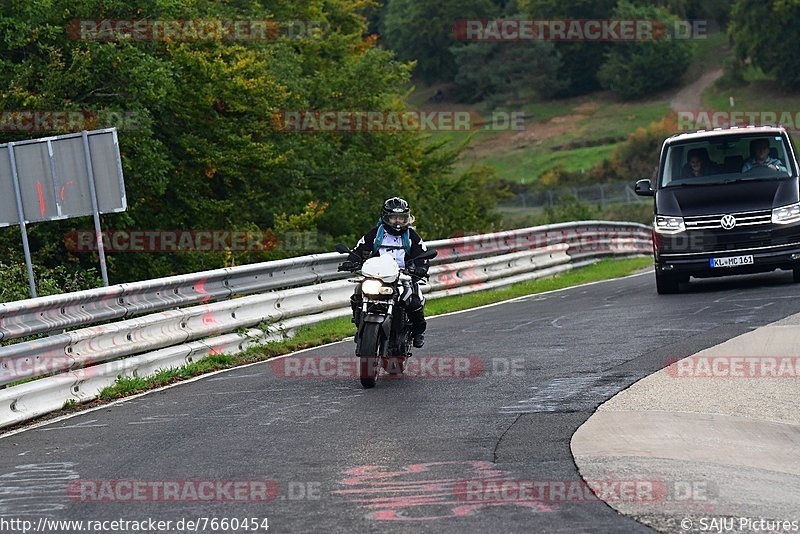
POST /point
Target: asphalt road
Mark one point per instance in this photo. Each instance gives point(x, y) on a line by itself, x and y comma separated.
point(505, 387)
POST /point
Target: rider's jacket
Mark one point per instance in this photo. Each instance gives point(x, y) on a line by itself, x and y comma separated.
point(378, 242)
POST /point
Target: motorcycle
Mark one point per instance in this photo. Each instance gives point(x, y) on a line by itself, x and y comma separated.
point(384, 336)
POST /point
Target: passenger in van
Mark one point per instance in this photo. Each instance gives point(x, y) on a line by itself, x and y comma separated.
point(698, 164)
point(760, 157)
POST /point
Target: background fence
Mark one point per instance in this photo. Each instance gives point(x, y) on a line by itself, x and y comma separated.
point(600, 195)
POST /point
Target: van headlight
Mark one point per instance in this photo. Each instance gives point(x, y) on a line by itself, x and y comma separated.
point(786, 214)
point(668, 225)
point(375, 287)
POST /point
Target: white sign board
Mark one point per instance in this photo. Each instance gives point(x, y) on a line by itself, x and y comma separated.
point(54, 179)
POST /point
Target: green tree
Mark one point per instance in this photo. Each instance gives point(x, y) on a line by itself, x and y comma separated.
point(712, 12)
point(494, 70)
point(422, 30)
point(638, 68)
point(761, 31)
point(580, 60)
point(208, 151)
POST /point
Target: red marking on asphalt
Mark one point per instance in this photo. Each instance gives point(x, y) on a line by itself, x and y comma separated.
point(391, 498)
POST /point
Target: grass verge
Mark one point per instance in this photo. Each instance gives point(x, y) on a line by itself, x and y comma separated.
point(338, 329)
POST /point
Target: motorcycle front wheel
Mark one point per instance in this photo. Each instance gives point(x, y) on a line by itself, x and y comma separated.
point(369, 357)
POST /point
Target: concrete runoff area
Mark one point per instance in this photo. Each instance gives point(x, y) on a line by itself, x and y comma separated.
point(717, 434)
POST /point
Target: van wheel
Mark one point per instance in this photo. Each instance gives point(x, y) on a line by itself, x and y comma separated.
point(667, 284)
point(796, 275)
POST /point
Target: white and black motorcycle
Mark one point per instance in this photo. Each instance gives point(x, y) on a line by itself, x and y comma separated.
point(383, 339)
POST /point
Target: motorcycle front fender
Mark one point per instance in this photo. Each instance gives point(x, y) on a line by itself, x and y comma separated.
point(375, 317)
point(384, 320)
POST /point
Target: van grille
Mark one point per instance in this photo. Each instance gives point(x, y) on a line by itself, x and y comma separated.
point(712, 222)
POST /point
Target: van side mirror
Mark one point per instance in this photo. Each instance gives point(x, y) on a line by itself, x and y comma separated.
point(644, 189)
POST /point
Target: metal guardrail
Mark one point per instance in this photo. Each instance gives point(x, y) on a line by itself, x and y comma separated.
point(48, 314)
point(288, 294)
point(59, 312)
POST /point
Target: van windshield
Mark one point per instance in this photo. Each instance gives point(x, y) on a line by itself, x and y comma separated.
point(726, 158)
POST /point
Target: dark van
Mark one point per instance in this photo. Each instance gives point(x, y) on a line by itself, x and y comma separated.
point(726, 202)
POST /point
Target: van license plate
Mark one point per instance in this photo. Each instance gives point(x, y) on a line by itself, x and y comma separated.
point(733, 261)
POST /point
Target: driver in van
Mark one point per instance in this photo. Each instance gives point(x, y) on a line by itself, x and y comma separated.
point(760, 157)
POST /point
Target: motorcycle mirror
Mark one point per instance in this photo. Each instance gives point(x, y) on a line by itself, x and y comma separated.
point(342, 249)
point(427, 255)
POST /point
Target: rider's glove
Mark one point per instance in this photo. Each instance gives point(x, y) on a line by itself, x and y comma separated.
point(420, 271)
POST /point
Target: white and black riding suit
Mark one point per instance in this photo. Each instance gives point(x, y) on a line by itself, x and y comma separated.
point(403, 247)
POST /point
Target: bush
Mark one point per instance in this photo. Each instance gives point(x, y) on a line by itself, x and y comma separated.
point(496, 70)
point(458, 204)
point(581, 60)
point(636, 69)
point(733, 74)
point(61, 279)
point(422, 31)
point(641, 212)
point(763, 31)
point(637, 157)
point(569, 208)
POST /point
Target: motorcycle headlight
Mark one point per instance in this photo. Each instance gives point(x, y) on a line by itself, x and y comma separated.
point(786, 214)
point(668, 225)
point(375, 287)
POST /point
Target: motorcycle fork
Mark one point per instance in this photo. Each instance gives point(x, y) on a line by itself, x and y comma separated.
point(384, 318)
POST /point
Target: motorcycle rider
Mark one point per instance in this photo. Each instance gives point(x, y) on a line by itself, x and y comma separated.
point(394, 235)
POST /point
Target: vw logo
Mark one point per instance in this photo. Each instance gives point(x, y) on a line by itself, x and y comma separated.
point(728, 222)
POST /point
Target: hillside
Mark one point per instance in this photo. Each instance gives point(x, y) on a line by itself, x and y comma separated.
point(573, 133)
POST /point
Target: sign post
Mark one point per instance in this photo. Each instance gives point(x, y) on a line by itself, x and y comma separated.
point(98, 233)
point(25, 247)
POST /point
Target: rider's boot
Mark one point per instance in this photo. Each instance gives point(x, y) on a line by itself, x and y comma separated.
point(419, 324)
point(355, 305)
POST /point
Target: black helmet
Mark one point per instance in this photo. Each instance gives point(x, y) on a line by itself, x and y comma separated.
point(396, 215)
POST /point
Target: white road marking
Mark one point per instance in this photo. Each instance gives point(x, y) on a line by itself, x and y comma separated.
point(85, 424)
